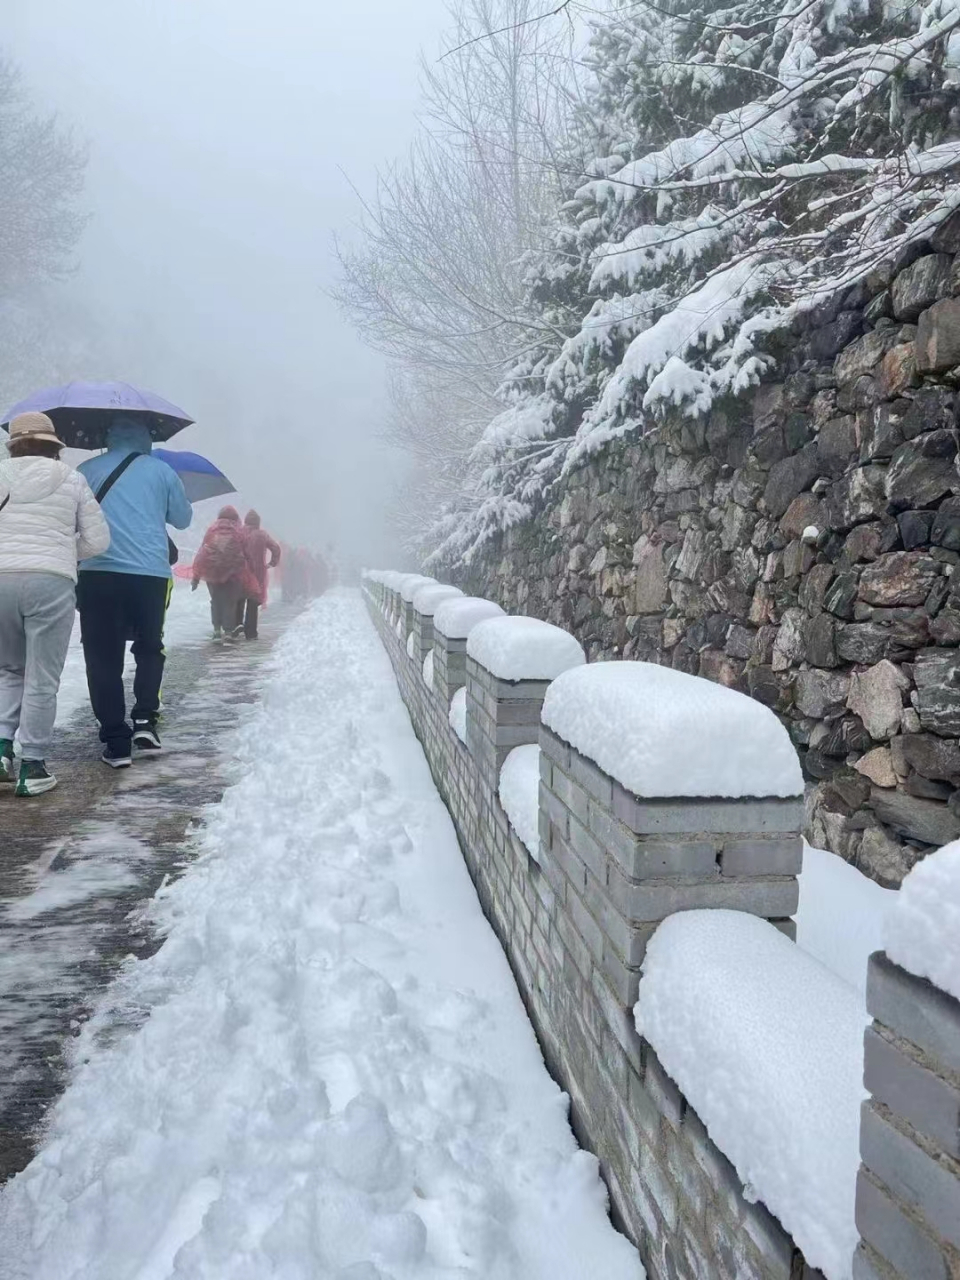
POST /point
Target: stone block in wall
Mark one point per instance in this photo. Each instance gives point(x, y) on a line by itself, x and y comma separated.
point(908, 1193)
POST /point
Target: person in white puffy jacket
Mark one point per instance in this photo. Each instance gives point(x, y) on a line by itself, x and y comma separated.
point(49, 519)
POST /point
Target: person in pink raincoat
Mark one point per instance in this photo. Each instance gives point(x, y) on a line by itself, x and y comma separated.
point(222, 564)
point(263, 554)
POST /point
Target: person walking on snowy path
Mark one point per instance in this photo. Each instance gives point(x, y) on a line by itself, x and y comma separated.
point(123, 593)
point(49, 519)
point(258, 545)
point(222, 563)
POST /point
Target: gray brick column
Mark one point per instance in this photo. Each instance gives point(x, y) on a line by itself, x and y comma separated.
point(449, 665)
point(622, 864)
point(406, 594)
point(501, 715)
point(908, 1190)
point(425, 604)
point(450, 651)
point(423, 636)
point(505, 713)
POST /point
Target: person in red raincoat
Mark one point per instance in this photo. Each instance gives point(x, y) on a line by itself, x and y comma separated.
point(259, 545)
point(222, 563)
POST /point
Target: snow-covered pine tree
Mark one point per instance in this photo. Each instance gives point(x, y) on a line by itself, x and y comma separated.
point(751, 161)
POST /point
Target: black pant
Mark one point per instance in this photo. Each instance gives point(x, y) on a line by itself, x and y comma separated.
point(223, 605)
point(114, 607)
point(248, 611)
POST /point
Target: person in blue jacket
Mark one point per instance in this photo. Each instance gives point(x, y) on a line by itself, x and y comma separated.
point(124, 592)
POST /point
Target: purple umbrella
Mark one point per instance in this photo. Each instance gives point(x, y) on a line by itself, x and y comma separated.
point(82, 412)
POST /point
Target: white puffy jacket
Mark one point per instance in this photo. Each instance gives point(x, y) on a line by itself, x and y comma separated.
point(51, 520)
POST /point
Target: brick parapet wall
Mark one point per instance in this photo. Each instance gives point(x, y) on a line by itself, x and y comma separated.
point(575, 954)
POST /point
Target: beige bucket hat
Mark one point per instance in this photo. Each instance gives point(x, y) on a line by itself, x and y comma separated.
point(34, 426)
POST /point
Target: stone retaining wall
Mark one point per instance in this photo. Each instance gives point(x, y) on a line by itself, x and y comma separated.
point(799, 545)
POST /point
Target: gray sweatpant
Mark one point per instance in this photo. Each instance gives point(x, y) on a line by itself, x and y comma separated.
point(36, 618)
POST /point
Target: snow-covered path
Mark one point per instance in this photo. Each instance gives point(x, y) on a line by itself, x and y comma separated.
point(337, 1077)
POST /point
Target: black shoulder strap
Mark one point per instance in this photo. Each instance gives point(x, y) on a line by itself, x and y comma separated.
point(4, 502)
point(115, 475)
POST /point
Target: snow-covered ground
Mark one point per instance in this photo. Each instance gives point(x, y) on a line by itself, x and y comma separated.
point(188, 620)
point(337, 1078)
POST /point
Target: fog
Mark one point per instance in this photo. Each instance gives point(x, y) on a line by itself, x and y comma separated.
point(220, 133)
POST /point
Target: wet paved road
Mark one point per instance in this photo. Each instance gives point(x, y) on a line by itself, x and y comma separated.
point(78, 866)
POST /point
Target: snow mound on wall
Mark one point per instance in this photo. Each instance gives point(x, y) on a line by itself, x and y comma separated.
point(410, 582)
point(923, 928)
point(661, 732)
point(428, 597)
point(411, 641)
point(767, 1046)
point(458, 714)
point(456, 618)
point(840, 919)
point(524, 648)
point(519, 792)
point(428, 670)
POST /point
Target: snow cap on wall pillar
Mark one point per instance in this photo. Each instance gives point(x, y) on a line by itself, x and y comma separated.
point(430, 595)
point(409, 582)
point(521, 648)
point(662, 733)
point(454, 619)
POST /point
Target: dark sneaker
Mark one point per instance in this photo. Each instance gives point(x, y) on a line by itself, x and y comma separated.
point(117, 755)
point(35, 778)
point(237, 631)
point(6, 762)
point(146, 738)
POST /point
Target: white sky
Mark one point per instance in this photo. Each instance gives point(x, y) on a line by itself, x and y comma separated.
point(218, 131)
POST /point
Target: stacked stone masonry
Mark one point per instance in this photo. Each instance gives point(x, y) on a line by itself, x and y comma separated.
point(800, 544)
point(574, 928)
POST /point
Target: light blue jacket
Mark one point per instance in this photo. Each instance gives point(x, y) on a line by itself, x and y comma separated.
point(147, 497)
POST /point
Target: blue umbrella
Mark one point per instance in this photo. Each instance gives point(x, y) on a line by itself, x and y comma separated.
point(201, 479)
point(82, 412)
